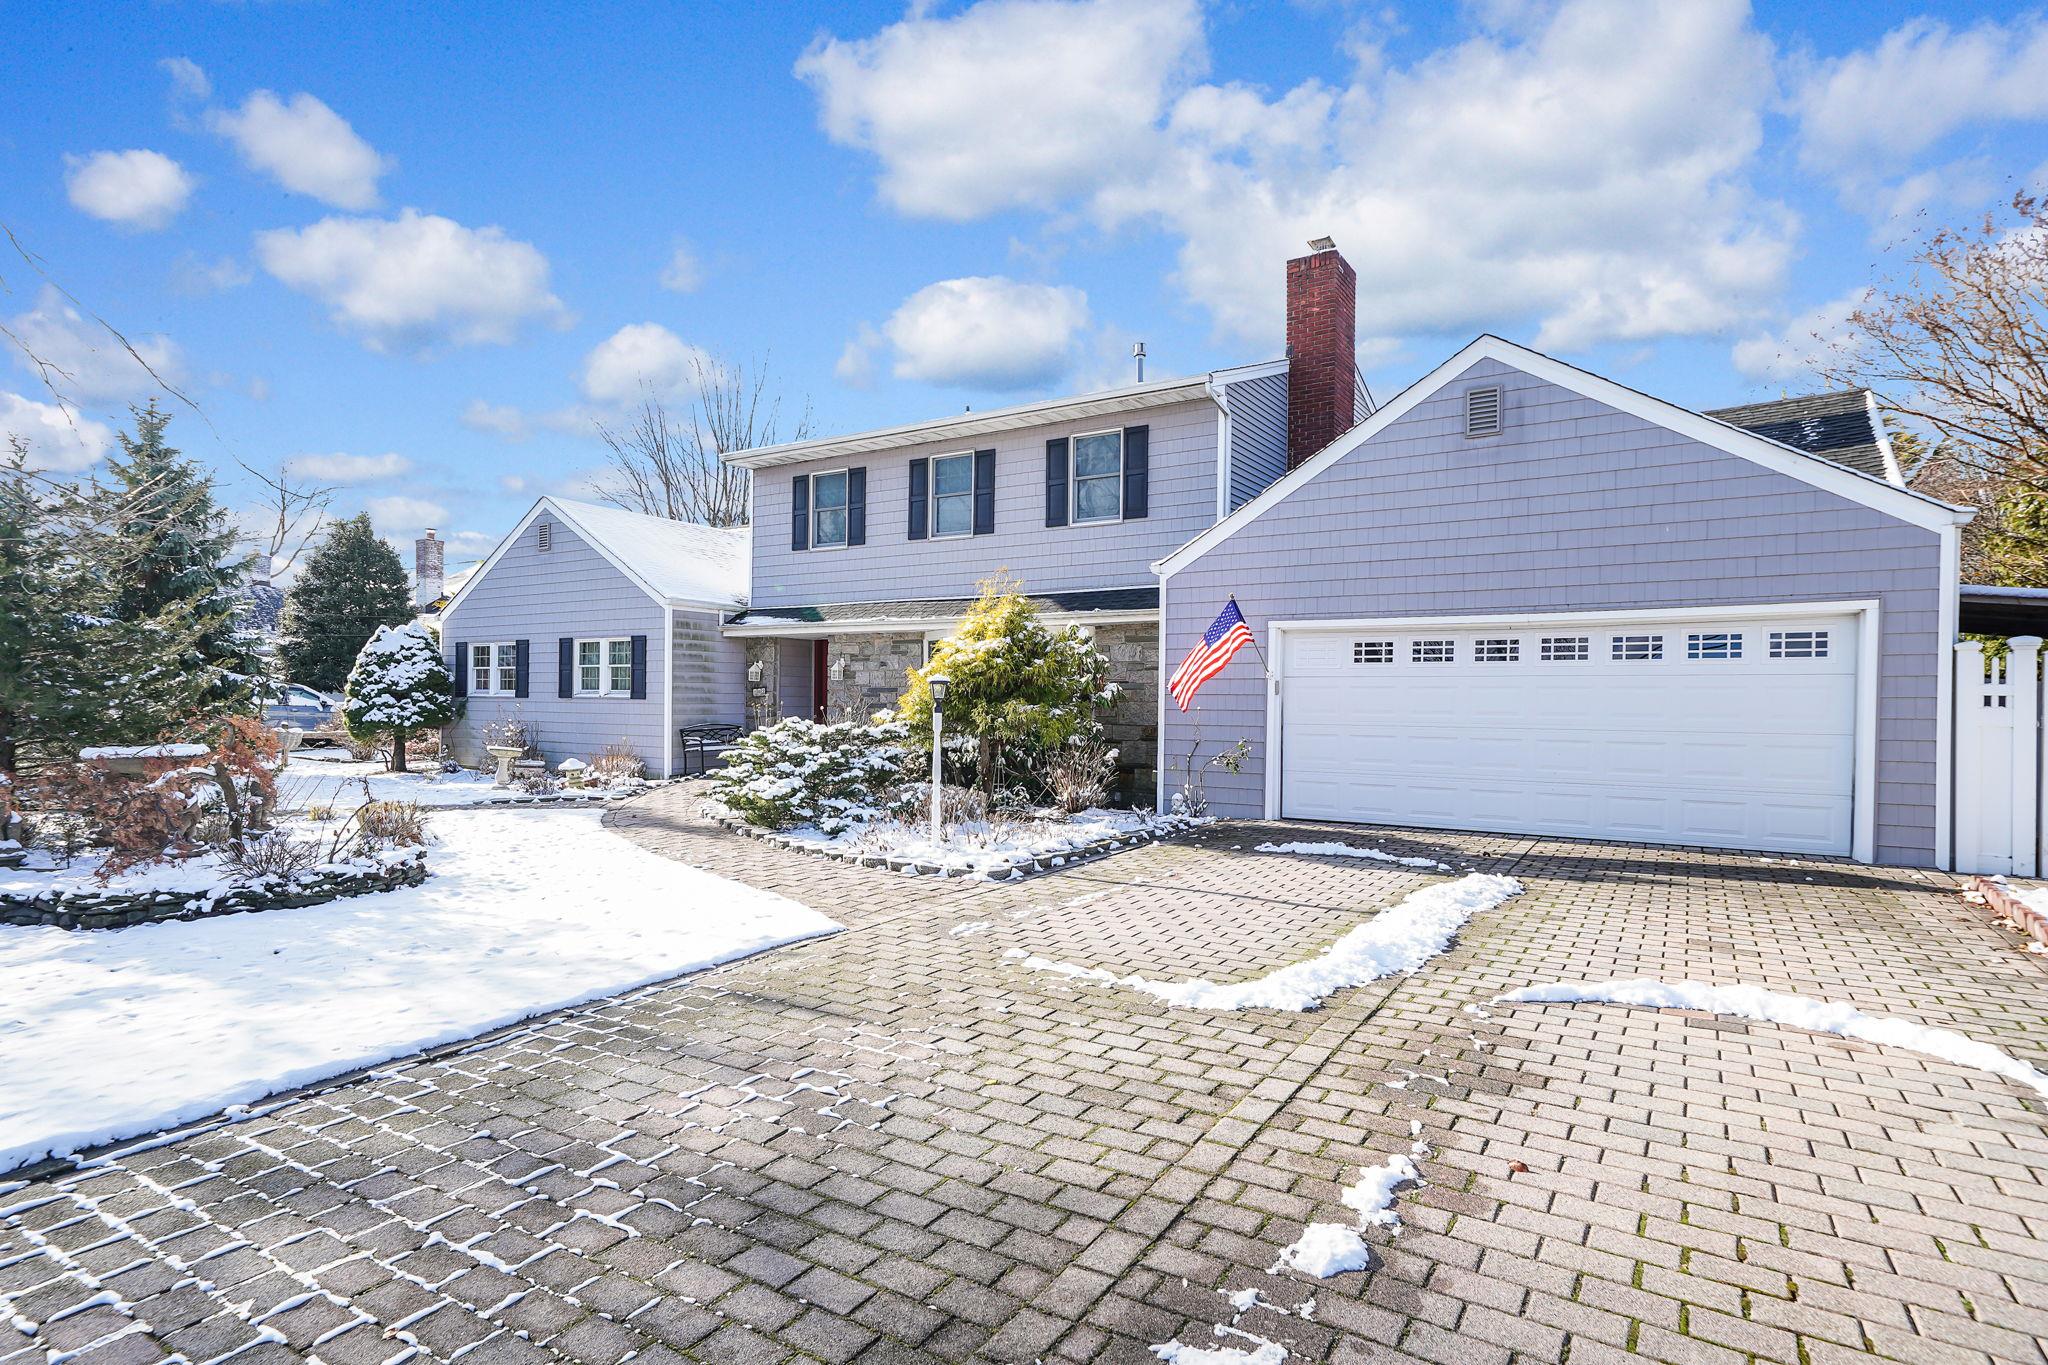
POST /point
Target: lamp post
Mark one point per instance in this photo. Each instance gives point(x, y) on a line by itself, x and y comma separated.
point(938, 683)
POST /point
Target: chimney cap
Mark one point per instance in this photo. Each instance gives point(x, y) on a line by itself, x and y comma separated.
point(1322, 244)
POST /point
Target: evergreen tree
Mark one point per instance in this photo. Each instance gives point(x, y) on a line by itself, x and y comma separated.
point(352, 585)
point(399, 685)
point(182, 555)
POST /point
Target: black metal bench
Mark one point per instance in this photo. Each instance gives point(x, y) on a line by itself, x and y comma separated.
point(705, 741)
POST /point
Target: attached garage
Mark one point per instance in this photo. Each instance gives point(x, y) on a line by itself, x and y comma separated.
point(1688, 728)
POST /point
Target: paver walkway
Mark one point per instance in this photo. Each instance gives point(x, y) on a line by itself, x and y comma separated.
point(900, 1144)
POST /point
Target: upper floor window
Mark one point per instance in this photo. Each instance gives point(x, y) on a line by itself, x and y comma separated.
point(953, 495)
point(604, 667)
point(494, 670)
point(828, 509)
point(1099, 476)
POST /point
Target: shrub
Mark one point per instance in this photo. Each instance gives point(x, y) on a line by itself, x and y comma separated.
point(1079, 774)
point(537, 784)
point(616, 763)
point(399, 686)
point(391, 824)
point(797, 772)
point(276, 854)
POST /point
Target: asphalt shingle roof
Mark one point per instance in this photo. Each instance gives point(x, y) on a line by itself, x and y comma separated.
point(1840, 426)
point(944, 608)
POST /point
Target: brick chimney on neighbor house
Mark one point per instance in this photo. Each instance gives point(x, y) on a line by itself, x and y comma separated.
point(427, 568)
point(1322, 349)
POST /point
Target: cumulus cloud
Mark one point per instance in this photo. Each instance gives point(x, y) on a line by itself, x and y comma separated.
point(406, 514)
point(682, 273)
point(137, 189)
point(415, 279)
point(640, 358)
point(982, 331)
point(1580, 169)
point(188, 79)
point(59, 440)
point(196, 276)
point(497, 419)
point(86, 363)
point(1795, 352)
point(305, 146)
point(350, 468)
point(1875, 109)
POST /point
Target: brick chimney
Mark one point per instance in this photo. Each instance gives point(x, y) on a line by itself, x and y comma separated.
point(427, 564)
point(1322, 349)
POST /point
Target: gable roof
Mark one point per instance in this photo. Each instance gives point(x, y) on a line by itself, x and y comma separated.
point(1842, 426)
point(1815, 470)
point(677, 563)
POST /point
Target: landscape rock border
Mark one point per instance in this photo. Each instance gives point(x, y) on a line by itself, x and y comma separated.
point(123, 909)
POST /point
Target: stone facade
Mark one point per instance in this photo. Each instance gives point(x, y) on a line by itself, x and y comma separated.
point(1132, 722)
point(866, 673)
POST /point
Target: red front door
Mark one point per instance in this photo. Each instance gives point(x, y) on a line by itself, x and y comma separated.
point(820, 677)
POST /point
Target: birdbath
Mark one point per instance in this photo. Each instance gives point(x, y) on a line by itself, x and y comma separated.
point(505, 753)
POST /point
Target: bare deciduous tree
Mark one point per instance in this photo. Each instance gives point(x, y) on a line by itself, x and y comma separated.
point(668, 465)
point(294, 514)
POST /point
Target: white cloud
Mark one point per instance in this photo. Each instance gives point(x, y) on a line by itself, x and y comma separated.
point(137, 189)
point(350, 468)
point(856, 364)
point(187, 78)
point(307, 147)
point(395, 514)
point(86, 362)
point(682, 273)
point(640, 358)
point(197, 277)
point(985, 331)
point(1011, 103)
point(1581, 170)
point(59, 439)
point(1873, 110)
point(1795, 353)
point(512, 483)
point(497, 419)
point(414, 279)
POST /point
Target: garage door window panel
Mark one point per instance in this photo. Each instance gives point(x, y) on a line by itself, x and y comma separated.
point(1638, 648)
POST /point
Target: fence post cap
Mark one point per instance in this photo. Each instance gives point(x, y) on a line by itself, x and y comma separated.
point(2025, 642)
point(1965, 646)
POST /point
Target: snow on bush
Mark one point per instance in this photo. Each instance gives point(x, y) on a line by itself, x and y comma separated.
point(400, 684)
point(830, 777)
point(988, 845)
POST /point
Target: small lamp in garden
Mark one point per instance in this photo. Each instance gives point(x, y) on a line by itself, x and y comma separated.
point(938, 682)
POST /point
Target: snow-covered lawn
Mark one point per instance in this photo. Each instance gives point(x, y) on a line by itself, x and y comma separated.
point(199, 880)
point(109, 1034)
point(989, 848)
point(329, 777)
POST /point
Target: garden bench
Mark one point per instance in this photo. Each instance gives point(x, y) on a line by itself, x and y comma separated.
point(706, 741)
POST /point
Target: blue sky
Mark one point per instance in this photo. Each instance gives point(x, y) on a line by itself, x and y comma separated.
point(420, 252)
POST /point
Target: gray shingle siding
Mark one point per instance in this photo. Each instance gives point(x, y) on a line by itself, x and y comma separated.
point(793, 678)
point(1576, 506)
point(709, 672)
point(1182, 497)
point(1258, 435)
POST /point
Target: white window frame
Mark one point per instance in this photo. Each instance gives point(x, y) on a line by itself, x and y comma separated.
point(1074, 517)
point(504, 657)
point(608, 680)
point(931, 511)
point(846, 531)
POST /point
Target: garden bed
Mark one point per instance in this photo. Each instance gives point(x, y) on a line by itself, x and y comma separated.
point(72, 898)
point(1009, 851)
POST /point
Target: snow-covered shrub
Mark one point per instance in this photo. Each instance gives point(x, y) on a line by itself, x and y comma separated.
point(391, 824)
point(537, 784)
point(509, 732)
point(400, 685)
point(1080, 773)
point(276, 854)
point(616, 763)
point(797, 772)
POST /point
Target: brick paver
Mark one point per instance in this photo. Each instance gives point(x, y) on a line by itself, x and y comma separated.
point(900, 1144)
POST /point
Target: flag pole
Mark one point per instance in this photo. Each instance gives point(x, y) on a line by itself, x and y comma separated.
point(1263, 665)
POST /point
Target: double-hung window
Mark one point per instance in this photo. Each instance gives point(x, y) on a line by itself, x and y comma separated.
point(953, 495)
point(828, 510)
point(1099, 476)
point(604, 668)
point(494, 670)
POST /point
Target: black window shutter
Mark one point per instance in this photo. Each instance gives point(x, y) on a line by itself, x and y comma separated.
point(565, 667)
point(639, 668)
point(800, 512)
point(1137, 470)
point(461, 669)
point(1056, 481)
point(857, 506)
point(984, 492)
point(520, 661)
point(920, 492)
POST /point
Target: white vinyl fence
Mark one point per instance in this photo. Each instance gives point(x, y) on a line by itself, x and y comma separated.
point(1998, 762)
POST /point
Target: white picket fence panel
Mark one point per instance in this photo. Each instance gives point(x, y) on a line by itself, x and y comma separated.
point(1998, 759)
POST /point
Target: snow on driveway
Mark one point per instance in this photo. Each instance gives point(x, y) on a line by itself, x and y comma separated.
point(108, 1034)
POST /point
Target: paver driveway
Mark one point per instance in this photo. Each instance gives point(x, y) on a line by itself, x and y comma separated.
point(900, 1144)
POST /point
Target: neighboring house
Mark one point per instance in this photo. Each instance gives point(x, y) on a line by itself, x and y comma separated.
point(259, 614)
point(597, 626)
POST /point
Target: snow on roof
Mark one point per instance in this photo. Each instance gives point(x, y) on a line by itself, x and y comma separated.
point(678, 559)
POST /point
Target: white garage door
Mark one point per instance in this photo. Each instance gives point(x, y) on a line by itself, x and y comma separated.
point(1736, 734)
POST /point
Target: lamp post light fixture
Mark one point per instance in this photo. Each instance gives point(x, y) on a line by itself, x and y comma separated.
point(939, 683)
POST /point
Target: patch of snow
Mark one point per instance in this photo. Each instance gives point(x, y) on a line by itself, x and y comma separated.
point(107, 1035)
point(1775, 1007)
point(196, 881)
point(1323, 1250)
point(1333, 850)
point(1399, 939)
point(1265, 1353)
point(989, 848)
point(963, 930)
point(1372, 1194)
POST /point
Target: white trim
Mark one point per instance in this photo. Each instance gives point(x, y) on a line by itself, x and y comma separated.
point(1159, 740)
point(1222, 448)
point(1258, 369)
point(1863, 824)
point(1893, 474)
point(493, 646)
point(668, 691)
point(1074, 480)
point(1867, 489)
point(845, 510)
point(883, 625)
point(605, 676)
point(1946, 623)
point(931, 496)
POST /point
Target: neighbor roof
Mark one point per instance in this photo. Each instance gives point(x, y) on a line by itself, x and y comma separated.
point(1842, 426)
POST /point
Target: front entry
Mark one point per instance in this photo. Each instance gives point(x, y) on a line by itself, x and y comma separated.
point(821, 677)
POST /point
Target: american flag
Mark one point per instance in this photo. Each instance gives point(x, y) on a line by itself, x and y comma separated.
point(1226, 635)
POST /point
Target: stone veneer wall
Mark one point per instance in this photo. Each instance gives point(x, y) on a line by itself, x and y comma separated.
point(1132, 722)
point(761, 707)
point(874, 669)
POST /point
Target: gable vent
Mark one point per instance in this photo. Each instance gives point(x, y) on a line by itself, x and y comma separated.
point(544, 536)
point(1482, 411)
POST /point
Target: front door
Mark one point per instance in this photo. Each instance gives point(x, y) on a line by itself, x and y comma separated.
point(820, 677)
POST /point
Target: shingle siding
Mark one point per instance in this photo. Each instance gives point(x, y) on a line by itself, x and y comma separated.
point(709, 672)
point(1182, 495)
point(1575, 506)
point(1258, 435)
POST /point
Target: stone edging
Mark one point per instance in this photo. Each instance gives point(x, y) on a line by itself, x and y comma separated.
point(1018, 867)
point(2000, 897)
point(119, 910)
